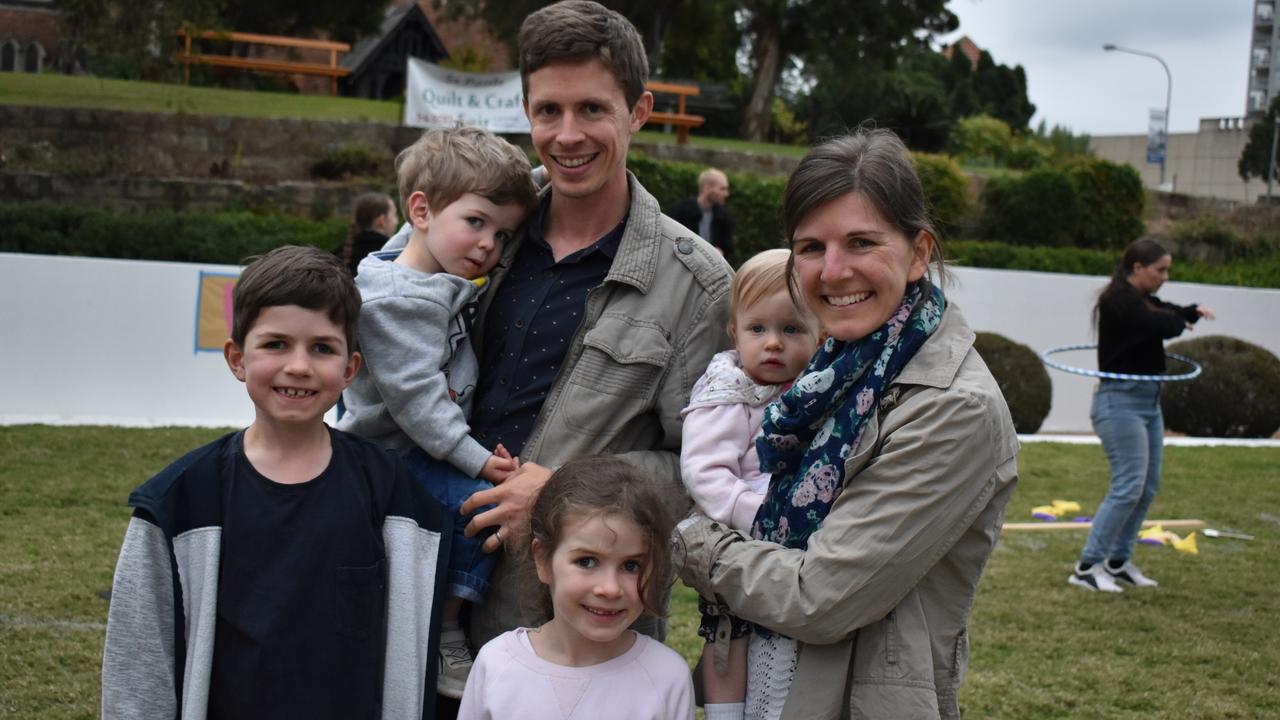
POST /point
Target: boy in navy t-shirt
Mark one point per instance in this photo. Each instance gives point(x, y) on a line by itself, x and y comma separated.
point(286, 570)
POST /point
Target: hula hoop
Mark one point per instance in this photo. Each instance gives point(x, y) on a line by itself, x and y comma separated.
point(1194, 373)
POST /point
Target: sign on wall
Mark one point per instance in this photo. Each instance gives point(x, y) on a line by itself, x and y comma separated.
point(439, 97)
point(1157, 136)
point(213, 310)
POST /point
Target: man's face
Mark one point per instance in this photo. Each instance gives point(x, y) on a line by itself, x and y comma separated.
point(581, 126)
point(717, 189)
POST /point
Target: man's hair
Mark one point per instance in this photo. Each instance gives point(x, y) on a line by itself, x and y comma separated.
point(447, 163)
point(295, 275)
point(706, 177)
point(578, 30)
point(759, 277)
point(602, 485)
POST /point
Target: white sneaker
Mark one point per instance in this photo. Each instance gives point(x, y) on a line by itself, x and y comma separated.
point(1131, 574)
point(455, 664)
point(1095, 578)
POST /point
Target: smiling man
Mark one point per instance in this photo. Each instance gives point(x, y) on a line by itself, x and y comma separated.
point(603, 311)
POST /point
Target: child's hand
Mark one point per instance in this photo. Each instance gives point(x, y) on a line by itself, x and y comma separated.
point(499, 466)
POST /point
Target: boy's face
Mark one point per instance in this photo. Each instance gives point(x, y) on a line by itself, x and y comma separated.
point(581, 125)
point(294, 363)
point(467, 236)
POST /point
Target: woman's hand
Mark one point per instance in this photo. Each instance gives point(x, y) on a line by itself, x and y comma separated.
point(1206, 313)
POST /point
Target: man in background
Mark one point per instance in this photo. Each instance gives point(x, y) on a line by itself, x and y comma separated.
point(706, 214)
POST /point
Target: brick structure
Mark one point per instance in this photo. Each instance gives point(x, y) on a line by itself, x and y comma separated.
point(29, 35)
point(966, 46)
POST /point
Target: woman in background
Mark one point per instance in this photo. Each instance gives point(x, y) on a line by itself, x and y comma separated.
point(375, 221)
point(1132, 326)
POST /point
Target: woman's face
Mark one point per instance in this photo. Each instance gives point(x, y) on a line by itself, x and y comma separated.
point(1149, 278)
point(853, 266)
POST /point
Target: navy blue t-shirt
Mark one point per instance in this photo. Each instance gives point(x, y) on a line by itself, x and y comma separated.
point(301, 593)
point(529, 327)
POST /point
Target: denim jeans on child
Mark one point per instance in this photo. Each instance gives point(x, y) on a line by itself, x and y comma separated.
point(1126, 416)
point(469, 565)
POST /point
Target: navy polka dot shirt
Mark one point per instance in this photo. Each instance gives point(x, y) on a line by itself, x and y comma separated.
point(529, 328)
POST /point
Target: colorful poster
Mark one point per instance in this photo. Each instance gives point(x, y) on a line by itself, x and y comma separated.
point(213, 310)
point(1157, 136)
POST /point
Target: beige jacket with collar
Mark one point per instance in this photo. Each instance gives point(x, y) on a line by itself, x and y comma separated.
point(880, 598)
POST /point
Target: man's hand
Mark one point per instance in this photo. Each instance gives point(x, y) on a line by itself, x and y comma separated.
point(513, 499)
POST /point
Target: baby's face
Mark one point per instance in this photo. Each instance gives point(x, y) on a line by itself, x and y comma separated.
point(773, 339)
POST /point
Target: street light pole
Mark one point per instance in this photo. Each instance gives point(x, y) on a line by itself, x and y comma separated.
point(1168, 95)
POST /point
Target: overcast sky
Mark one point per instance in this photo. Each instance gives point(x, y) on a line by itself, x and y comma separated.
point(1074, 83)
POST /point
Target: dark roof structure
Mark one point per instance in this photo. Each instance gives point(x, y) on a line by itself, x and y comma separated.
point(377, 62)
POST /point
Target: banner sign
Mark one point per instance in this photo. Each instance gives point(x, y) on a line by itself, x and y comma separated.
point(439, 97)
point(1157, 136)
point(213, 310)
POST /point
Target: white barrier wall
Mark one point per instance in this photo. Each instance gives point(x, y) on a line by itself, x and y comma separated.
point(93, 341)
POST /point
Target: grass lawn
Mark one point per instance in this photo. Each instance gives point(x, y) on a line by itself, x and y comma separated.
point(1203, 645)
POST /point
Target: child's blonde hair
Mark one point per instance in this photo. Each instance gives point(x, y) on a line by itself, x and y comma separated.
point(447, 163)
point(759, 277)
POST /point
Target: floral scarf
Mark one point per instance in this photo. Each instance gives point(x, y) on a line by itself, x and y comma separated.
point(810, 430)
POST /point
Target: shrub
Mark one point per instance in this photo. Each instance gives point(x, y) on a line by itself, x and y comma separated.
point(225, 238)
point(1111, 198)
point(1237, 395)
point(1028, 153)
point(1021, 376)
point(1207, 237)
point(982, 139)
point(348, 161)
point(1037, 208)
point(945, 190)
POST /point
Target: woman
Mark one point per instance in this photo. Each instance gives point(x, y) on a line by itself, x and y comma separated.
point(375, 220)
point(892, 456)
point(1132, 324)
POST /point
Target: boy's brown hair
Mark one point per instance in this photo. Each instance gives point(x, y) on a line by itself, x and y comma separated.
point(578, 30)
point(606, 485)
point(295, 275)
point(447, 163)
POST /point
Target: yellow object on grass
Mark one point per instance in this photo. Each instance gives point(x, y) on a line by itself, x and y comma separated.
point(1186, 545)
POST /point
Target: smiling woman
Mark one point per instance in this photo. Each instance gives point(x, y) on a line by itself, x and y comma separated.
point(892, 457)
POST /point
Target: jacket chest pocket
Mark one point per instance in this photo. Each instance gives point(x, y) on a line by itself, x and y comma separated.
point(617, 375)
point(360, 600)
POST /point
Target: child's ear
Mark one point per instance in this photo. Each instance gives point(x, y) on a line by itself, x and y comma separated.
point(541, 561)
point(418, 212)
point(235, 359)
point(353, 367)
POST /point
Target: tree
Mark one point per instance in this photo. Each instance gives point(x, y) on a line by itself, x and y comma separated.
point(783, 33)
point(339, 19)
point(1256, 157)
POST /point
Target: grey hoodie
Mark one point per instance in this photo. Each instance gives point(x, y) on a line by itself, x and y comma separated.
point(418, 378)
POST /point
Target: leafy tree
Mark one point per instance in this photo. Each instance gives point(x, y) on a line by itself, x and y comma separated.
point(1256, 157)
point(134, 39)
point(781, 32)
point(982, 138)
point(342, 20)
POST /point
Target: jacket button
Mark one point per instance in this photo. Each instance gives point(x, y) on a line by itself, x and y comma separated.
point(684, 247)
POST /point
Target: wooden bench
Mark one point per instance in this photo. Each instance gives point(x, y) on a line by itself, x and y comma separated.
point(284, 67)
point(680, 119)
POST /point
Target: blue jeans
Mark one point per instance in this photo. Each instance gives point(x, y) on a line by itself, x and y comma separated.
point(1126, 416)
point(469, 565)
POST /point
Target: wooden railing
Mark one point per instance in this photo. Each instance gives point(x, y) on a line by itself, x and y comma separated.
point(285, 67)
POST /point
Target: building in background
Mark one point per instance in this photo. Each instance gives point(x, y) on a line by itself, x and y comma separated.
point(29, 35)
point(1264, 70)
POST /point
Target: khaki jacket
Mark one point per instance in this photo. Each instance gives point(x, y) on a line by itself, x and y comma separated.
point(880, 599)
point(647, 334)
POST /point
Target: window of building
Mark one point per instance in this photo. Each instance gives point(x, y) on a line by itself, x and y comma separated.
point(1265, 11)
point(9, 56)
point(33, 59)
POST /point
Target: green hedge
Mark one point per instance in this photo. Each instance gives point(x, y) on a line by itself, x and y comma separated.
point(1088, 203)
point(1021, 376)
point(224, 238)
point(1237, 395)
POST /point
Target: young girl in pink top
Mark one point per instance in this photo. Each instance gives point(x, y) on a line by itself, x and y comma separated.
point(773, 338)
point(600, 545)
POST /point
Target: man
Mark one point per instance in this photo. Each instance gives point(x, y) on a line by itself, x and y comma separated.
point(706, 214)
point(603, 312)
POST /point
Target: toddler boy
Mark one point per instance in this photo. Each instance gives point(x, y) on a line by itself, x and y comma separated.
point(465, 192)
point(284, 570)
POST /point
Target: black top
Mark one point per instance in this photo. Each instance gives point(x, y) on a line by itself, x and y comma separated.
point(688, 213)
point(300, 594)
point(363, 243)
point(1132, 327)
point(530, 326)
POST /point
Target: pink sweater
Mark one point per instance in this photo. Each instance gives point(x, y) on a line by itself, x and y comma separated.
point(718, 451)
point(648, 682)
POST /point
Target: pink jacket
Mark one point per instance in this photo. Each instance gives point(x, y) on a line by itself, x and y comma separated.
point(718, 452)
